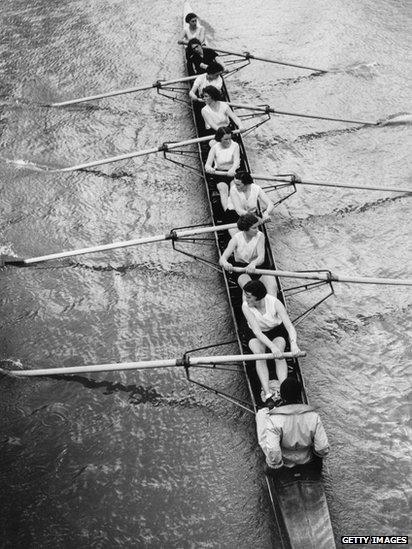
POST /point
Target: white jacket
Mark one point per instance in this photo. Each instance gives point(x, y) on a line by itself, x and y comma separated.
point(290, 435)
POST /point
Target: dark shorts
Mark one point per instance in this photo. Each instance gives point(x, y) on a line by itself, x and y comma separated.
point(253, 276)
point(277, 331)
point(230, 216)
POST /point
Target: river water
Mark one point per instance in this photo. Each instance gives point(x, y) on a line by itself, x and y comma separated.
point(146, 459)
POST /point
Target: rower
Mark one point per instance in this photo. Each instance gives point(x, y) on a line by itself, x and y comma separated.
point(269, 327)
point(224, 156)
point(199, 56)
point(212, 77)
point(217, 113)
point(247, 246)
point(292, 434)
point(247, 197)
point(193, 29)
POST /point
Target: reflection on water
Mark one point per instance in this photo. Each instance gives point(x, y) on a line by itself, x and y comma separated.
point(144, 459)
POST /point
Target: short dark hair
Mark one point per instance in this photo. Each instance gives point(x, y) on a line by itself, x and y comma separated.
point(291, 390)
point(256, 288)
point(246, 221)
point(213, 92)
point(244, 177)
point(190, 16)
point(214, 67)
point(193, 42)
point(220, 132)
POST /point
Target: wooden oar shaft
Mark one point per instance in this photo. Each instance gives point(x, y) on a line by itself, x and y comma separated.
point(330, 277)
point(146, 365)
point(134, 154)
point(158, 84)
point(300, 115)
point(248, 55)
point(176, 234)
point(339, 185)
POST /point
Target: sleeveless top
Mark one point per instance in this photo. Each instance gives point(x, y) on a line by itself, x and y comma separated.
point(218, 118)
point(247, 203)
point(189, 34)
point(201, 82)
point(224, 157)
point(246, 251)
point(270, 318)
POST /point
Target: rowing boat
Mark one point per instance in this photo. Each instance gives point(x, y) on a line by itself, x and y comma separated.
point(297, 497)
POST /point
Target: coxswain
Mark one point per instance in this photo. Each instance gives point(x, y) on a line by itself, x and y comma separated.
point(291, 434)
point(193, 29)
point(199, 56)
point(217, 113)
point(247, 197)
point(270, 327)
point(247, 246)
point(212, 77)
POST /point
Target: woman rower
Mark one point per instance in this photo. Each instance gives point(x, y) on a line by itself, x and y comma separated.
point(270, 327)
point(246, 196)
point(193, 29)
point(212, 77)
point(248, 248)
point(224, 156)
point(199, 56)
point(217, 113)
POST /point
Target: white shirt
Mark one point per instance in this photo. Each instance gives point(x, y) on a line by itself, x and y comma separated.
point(218, 118)
point(246, 251)
point(201, 82)
point(195, 34)
point(224, 156)
point(269, 319)
point(249, 203)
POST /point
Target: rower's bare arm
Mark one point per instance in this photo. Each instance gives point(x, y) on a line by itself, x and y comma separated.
point(209, 162)
point(226, 254)
point(260, 252)
point(234, 118)
point(193, 91)
point(202, 35)
point(280, 308)
point(236, 161)
point(183, 39)
point(268, 204)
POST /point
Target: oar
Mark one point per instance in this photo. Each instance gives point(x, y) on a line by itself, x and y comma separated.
point(268, 110)
point(248, 55)
point(148, 364)
point(172, 235)
point(298, 181)
point(164, 147)
point(329, 277)
point(159, 84)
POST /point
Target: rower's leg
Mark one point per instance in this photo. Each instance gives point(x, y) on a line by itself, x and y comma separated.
point(224, 194)
point(243, 278)
point(257, 347)
point(270, 283)
point(281, 364)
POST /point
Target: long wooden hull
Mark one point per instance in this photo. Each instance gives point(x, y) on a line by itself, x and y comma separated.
point(298, 498)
